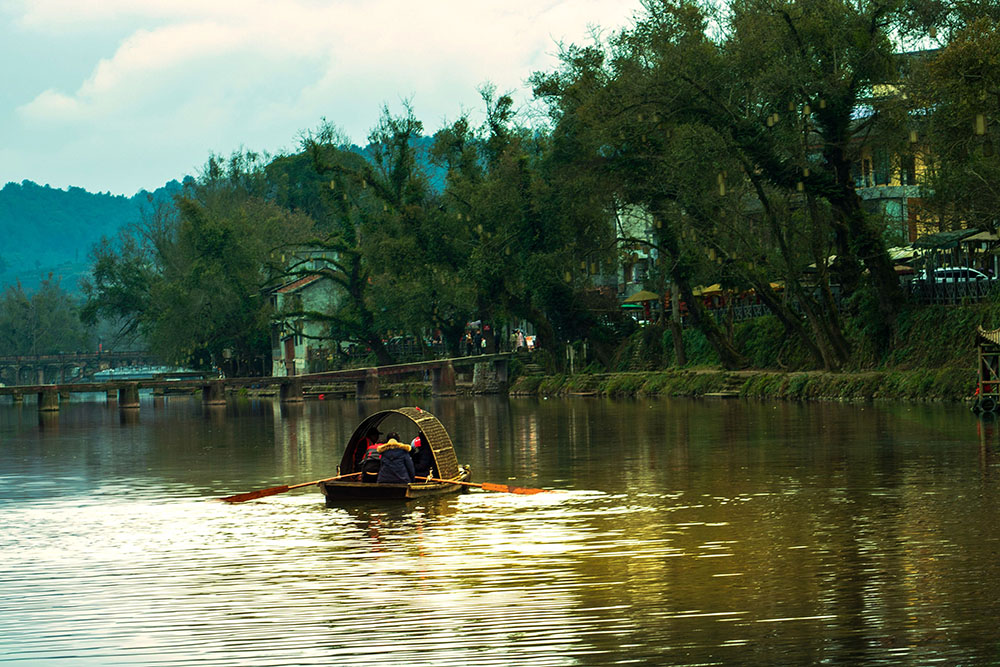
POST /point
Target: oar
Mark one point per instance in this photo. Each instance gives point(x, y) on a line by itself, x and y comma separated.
point(487, 486)
point(275, 490)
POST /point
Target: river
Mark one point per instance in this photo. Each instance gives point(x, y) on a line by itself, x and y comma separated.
point(683, 532)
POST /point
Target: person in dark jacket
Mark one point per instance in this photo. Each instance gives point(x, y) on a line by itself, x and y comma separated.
point(397, 466)
point(423, 457)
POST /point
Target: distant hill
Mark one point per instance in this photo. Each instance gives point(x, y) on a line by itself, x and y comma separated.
point(47, 230)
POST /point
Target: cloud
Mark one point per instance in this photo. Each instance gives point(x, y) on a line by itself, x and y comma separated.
point(217, 74)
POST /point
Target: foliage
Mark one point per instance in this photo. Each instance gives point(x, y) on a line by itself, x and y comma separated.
point(45, 321)
point(192, 278)
point(951, 91)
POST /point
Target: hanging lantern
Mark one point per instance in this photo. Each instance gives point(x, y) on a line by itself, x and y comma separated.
point(805, 172)
point(980, 124)
point(800, 186)
point(913, 136)
point(806, 110)
point(791, 106)
point(568, 277)
point(333, 185)
point(722, 184)
point(822, 103)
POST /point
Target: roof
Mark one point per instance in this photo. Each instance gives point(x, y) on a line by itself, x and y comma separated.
point(445, 462)
point(991, 336)
point(298, 284)
point(944, 240)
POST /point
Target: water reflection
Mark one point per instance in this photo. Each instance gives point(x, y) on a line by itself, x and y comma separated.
point(685, 532)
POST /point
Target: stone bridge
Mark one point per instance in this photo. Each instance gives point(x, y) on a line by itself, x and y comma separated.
point(491, 370)
point(62, 368)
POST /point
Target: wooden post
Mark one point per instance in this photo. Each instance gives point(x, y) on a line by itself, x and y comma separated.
point(368, 387)
point(443, 380)
point(291, 392)
point(48, 400)
point(214, 393)
point(128, 396)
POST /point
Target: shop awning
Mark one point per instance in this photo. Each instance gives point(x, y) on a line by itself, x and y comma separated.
point(640, 296)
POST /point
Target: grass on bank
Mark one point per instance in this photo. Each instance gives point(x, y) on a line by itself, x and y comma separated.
point(933, 357)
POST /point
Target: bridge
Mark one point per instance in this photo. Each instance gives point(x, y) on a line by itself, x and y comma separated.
point(38, 368)
point(213, 391)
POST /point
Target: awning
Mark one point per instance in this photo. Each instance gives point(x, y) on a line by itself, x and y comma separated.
point(640, 296)
point(707, 291)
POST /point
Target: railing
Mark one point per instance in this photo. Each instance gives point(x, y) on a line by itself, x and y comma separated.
point(948, 294)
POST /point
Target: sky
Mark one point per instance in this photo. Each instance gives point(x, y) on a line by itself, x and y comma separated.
point(122, 95)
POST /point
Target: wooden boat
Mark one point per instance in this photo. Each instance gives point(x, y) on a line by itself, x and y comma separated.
point(445, 464)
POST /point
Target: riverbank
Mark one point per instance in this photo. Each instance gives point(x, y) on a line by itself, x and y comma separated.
point(946, 384)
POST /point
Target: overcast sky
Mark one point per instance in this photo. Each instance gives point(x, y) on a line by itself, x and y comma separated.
point(120, 95)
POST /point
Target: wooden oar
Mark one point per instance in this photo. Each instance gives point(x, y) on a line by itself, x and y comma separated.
point(487, 486)
point(275, 490)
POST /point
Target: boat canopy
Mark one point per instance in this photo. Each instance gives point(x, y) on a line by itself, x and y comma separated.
point(445, 462)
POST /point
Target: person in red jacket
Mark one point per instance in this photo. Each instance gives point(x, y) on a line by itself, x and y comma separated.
point(367, 460)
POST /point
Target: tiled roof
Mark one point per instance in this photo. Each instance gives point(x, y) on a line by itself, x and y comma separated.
point(298, 284)
point(992, 336)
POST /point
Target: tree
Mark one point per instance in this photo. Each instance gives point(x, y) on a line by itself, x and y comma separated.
point(193, 279)
point(956, 107)
point(45, 321)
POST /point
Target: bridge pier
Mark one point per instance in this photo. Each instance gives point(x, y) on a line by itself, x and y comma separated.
point(214, 393)
point(111, 395)
point(443, 380)
point(128, 396)
point(291, 391)
point(48, 400)
point(500, 369)
point(368, 387)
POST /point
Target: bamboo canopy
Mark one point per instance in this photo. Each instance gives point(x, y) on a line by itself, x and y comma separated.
point(445, 462)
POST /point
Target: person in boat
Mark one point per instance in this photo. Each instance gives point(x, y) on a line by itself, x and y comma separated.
point(368, 457)
point(423, 458)
point(396, 465)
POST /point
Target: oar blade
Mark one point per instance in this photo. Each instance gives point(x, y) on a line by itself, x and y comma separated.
point(506, 488)
point(253, 495)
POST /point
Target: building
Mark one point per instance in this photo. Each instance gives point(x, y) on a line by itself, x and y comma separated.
point(298, 342)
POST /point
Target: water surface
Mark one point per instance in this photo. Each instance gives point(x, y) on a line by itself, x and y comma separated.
point(683, 533)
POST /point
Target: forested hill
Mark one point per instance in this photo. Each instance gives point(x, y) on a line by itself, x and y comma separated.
point(48, 230)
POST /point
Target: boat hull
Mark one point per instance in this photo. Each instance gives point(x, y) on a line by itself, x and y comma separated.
point(336, 492)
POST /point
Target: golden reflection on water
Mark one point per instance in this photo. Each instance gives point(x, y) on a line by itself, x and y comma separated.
point(685, 533)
